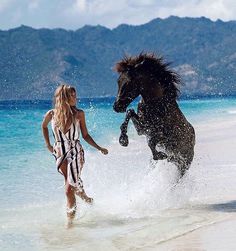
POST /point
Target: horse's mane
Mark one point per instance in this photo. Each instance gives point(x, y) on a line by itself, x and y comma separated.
point(154, 68)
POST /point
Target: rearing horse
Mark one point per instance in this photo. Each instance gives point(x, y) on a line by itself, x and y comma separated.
point(158, 115)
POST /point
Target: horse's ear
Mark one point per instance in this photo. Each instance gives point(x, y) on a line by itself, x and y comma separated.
point(122, 67)
point(139, 64)
point(119, 67)
point(144, 65)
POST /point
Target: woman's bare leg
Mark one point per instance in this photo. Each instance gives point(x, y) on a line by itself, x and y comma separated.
point(84, 196)
point(70, 193)
point(71, 201)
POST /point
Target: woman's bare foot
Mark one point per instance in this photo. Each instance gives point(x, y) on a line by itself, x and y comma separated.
point(71, 212)
point(84, 196)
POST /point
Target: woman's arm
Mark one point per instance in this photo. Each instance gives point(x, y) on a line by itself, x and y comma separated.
point(46, 120)
point(85, 134)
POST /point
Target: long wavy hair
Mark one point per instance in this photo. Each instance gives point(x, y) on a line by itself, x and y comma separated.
point(63, 111)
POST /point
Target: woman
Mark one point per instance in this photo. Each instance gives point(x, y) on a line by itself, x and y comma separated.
point(67, 121)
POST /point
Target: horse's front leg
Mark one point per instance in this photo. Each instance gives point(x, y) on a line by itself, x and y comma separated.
point(130, 114)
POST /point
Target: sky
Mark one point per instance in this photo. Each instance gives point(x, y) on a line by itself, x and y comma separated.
point(74, 14)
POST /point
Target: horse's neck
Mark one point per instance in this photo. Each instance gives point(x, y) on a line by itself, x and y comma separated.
point(152, 95)
point(153, 100)
point(158, 103)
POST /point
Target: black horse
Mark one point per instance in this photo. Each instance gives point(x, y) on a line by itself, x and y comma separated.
point(158, 116)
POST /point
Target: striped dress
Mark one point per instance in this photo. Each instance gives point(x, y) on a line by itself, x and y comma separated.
point(67, 147)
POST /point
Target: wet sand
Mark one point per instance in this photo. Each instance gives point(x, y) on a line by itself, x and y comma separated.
point(214, 237)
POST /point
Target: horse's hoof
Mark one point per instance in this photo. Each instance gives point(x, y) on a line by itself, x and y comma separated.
point(124, 140)
point(160, 156)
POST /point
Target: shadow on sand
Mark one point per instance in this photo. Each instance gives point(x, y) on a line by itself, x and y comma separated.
point(227, 207)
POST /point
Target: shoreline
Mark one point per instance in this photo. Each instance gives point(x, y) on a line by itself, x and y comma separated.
point(215, 236)
point(108, 98)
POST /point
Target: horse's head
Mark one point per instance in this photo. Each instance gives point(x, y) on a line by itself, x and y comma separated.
point(128, 90)
point(147, 75)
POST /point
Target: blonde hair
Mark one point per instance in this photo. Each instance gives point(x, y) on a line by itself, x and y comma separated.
point(63, 112)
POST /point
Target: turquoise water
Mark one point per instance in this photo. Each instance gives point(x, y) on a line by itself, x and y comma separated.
point(29, 180)
point(24, 157)
point(20, 120)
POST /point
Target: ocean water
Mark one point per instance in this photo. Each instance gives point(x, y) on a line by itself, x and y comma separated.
point(136, 202)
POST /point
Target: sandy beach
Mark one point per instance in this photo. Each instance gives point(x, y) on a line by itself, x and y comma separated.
point(213, 237)
point(219, 141)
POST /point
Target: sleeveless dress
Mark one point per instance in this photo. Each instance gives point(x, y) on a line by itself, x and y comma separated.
point(67, 147)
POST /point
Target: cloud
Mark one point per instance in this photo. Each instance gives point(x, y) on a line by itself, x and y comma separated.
point(33, 5)
point(80, 5)
point(4, 4)
point(111, 13)
point(72, 14)
point(213, 9)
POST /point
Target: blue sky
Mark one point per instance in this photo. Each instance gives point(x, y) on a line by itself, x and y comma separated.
point(73, 14)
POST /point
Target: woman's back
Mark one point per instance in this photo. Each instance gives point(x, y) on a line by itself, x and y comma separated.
point(72, 133)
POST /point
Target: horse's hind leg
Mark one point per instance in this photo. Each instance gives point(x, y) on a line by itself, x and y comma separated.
point(156, 155)
point(183, 169)
point(184, 164)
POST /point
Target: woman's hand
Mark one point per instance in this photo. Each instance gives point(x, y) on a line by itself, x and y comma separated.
point(103, 150)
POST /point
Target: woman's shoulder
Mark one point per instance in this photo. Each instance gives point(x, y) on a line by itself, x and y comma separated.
point(79, 113)
point(47, 117)
point(49, 113)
